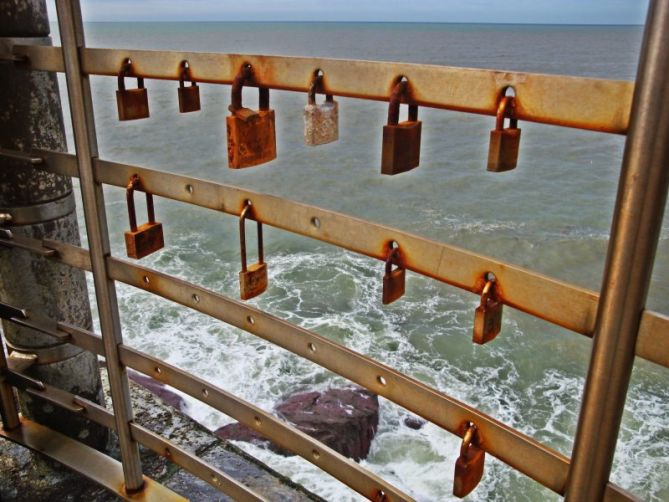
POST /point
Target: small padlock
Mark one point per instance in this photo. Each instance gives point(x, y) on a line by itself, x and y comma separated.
point(252, 279)
point(148, 238)
point(321, 122)
point(401, 140)
point(189, 97)
point(469, 465)
point(488, 315)
point(504, 143)
point(251, 134)
point(132, 104)
point(393, 280)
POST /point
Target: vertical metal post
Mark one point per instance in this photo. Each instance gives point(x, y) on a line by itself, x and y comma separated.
point(83, 123)
point(642, 194)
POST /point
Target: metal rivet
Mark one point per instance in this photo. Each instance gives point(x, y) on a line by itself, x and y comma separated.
point(316, 222)
point(250, 320)
point(381, 380)
point(146, 279)
point(189, 188)
point(196, 298)
point(205, 392)
point(316, 454)
point(312, 347)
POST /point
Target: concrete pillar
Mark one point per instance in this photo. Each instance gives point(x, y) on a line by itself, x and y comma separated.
point(31, 117)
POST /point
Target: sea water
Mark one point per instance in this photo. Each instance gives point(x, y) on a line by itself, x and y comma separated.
point(552, 214)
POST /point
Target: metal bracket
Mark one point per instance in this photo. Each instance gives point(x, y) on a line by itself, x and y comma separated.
point(46, 355)
point(8, 239)
point(7, 46)
point(19, 155)
point(39, 213)
point(9, 311)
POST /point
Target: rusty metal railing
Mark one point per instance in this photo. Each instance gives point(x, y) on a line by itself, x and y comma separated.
point(583, 103)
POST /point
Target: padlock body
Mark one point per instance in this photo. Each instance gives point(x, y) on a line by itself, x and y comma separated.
point(189, 99)
point(253, 281)
point(401, 147)
point(468, 471)
point(504, 146)
point(487, 322)
point(251, 137)
point(393, 285)
point(321, 123)
point(146, 240)
point(132, 104)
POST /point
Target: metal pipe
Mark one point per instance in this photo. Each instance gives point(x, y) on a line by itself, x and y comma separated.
point(81, 107)
point(642, 193)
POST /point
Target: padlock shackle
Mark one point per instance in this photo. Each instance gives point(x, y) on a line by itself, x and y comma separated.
point(245, 76)
point(242, 236)
point(487, 291)
point(136, 184)
point(506, 109)
point(392, 258)
point(185, 75)
point(126, 71)
point(316, 87)
point(394, 104)
point(468, 438)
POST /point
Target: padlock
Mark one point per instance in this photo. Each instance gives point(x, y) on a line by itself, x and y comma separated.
point(252, 279)
point(132, 104)
point(401, 140)
point(504, 143)
point(393, 280)
point(251, 134)
point(189, 97)
point(488, 315)
point(469, 465)
point(147, 238)
point(321, 122)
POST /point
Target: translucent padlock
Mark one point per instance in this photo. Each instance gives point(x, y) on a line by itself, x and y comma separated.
point(251, 134)
point(401, 140)
point(393, 280)
point(189, 97)
point(488, 315)
point(132, 104)
point(504, 143)
point(470, 463)
point(147, 238)
point(252, 278)
point(321, 122)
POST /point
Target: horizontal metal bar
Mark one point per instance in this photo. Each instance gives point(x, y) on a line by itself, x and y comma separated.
point(281, 433)
point(563, 304)
point(584, 103)
point(190, 462)
point(514, 448)
point(9, 240)
point(8, 311)
point(83, 459)
point(18, 155)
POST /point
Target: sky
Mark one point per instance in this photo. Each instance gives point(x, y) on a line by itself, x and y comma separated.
point(442, 11)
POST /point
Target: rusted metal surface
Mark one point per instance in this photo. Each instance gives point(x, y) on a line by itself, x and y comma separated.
point(96, 466)
point(519, 451)
point(400, 149)
point(560, 303)
point(148, 238)
point(469, 464)
point(189, 97)
point(132, 104)
point(504, 143)
point(393, 280)
point(281, 433)
point(488, 315)
point(584, 103)
point(253, 278)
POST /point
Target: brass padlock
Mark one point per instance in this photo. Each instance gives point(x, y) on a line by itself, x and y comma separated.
point(253, 278)
point(132, 104)
point(469, 465)
point(488, 315)
point(504, 143)
point(393, 280)
point(251, 134)
point(147, 238)
point(401, 140)
point(321, 122)
point(189, 97)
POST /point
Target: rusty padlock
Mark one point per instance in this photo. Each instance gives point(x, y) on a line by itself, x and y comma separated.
point(189, 97)
point(253, 278)
point(488, 315)
point(469, 465)
point(147, 238)
point(401, 140)
point(251, 134)
point(321, 122)
point(504, 143)
point(393, 280)
point(132, 104)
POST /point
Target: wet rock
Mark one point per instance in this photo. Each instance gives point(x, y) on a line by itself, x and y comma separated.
point(414, 423)
point(344, 419)
point(159, 389)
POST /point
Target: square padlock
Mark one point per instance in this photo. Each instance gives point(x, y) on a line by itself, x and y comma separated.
point(321, 123)
point(253, 281)
point(393, 285)
point(487, 321)
point(504, 147)
point(132, 104)
point(468, 471)
point(147, 239)
point(251, 137)
point(401, 147)
point(189, 98)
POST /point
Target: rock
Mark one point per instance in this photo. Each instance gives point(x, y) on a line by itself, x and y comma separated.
point(344, 419)
point(159, 389)
point(413, 422)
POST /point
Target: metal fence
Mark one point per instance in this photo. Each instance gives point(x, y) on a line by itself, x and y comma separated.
point(617, 320)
